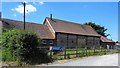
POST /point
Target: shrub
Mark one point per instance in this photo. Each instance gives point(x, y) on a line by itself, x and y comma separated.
point(23, 46)
point(7, 55)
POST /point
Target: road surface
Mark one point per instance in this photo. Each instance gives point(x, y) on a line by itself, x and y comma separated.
point(105, 60)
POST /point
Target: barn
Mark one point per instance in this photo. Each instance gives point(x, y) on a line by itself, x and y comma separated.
point(72, 34)
point(56, 32)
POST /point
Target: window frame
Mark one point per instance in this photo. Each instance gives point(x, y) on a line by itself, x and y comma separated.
point(51, 42)
point(44, 42)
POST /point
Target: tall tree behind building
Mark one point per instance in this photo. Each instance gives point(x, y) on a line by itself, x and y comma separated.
point(98, 28)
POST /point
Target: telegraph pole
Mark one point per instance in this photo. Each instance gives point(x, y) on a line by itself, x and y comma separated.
point(24, 4)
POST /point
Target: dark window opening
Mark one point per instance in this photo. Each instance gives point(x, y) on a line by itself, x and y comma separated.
point(72, 41)
point(43, 41)
point(51, 42)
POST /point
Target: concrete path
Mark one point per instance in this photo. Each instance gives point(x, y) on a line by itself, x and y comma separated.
point(105, 60)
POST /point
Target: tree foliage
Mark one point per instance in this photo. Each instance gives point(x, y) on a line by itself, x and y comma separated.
point(98, 28)
point(23, 46)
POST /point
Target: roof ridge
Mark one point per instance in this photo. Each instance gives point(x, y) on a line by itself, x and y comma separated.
point(70, 22)
point(20, 21)
point(105, 39)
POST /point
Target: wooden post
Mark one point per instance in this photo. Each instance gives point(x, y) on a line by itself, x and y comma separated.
point(86, 50)
point(101, 49)
point(24, 14)
point(65, 53)
point(89, 52)
point(94, 51)
point(105, 51)
point(76, 51)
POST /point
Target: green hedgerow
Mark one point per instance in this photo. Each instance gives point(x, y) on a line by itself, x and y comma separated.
point(23, 46)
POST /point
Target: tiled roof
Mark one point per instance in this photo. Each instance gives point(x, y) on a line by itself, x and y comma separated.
point(104, 39)
point(42, 30)
point(70, 27)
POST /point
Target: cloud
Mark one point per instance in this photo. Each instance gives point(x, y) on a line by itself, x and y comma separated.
point(14, 15)
point(38, 3)
point(28, 8)
point(25, 1)
point(34, 2)
point(12, 9)
point(41, 3)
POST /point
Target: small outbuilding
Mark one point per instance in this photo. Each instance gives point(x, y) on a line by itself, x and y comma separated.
point(105, 42)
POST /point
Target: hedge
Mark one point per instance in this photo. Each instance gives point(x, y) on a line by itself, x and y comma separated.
point(22, 46)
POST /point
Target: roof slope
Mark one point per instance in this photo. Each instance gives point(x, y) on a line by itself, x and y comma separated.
point(42, 30)
point(104, 39)
point(70, 27)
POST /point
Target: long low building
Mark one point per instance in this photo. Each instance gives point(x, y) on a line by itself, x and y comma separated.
point(56, 32)
point(105, 42)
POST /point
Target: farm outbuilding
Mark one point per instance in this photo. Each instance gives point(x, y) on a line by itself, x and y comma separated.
point(107, 42)
point(56, 32)
point(72, 34)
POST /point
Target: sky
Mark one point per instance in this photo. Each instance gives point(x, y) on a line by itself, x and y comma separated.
point(101, 13)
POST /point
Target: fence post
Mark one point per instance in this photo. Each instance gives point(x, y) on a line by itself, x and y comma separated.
point(76, 51)
point(94, 51)
point(101, 48)
point(65, 53)
point(105, 51)
point(89, 52)
point(86, 50)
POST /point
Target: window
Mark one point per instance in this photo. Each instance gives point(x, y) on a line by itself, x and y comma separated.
point(72, 41)
point(97, 42)
point(43, 41)
point(51, 42)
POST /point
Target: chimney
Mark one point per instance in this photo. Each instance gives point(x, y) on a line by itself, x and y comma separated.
point(51, 16)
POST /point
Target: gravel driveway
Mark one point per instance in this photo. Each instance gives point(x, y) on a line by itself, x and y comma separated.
point(105, 60)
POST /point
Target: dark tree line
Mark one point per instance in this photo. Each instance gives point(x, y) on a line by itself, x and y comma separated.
point(98, 28)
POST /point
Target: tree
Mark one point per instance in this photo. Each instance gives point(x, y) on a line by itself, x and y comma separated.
point(22, 46)
point(98, 28)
